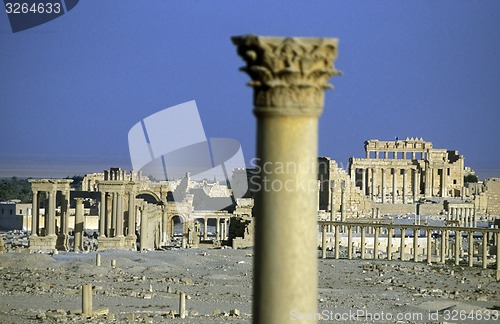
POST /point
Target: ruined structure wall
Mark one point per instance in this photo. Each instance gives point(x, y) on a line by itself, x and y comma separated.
point(492, 189)
point(333, 181)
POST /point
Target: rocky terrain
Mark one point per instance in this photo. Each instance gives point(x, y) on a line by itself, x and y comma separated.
point(144, 287)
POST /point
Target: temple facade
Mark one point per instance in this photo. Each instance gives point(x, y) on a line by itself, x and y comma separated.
point(403, 171)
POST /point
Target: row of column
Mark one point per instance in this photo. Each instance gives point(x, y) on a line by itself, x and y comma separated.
point(111, 216)
point(395, 154)
point(446, 249)
point(369, 183)
point(465, 216)
point(221, 229)
point(50, 213)
point(430, 178)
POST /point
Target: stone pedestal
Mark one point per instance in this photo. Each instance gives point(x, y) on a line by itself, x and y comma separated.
point(45, 244)
point(110, 243)
point(289, 76)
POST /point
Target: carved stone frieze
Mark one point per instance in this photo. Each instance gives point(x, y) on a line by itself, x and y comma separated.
point(289, 75)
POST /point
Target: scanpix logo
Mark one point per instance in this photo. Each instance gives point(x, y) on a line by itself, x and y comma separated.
point(172, 143)
point(26, 14)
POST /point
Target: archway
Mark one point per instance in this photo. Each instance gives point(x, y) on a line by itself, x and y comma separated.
point(149, 197)
point(177, 224)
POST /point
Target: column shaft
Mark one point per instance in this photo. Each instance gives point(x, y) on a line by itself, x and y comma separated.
point(429, 246)
point(34, 214)
point(119, 215)
point(349, 242)
point(390, 232)
point(337, 242)
point(470, 253)
point(415, 244)
point(102, 215)
point(394, 182)
point(404, 186)
point(288, 99)
point(402, 245)
point(79, 224)
point(485, 250)
point(51, 214)
point(383, 184)
point(363, 241)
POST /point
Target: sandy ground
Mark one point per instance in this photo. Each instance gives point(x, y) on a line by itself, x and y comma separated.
point(144, 288)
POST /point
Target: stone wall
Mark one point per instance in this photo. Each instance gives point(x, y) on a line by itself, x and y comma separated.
point(492, 189)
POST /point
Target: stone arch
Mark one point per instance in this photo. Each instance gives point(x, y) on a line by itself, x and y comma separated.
point(148, 196)
point(174, 220)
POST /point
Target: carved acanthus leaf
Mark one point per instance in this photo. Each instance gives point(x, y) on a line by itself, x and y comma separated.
point(290, 72)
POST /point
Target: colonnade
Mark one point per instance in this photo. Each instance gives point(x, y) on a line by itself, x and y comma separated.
point(117, 201)
point(463, 214)
point(404, 182)
point(436, 245)
point(422, 155)
point(221, 228)
point(53, 235)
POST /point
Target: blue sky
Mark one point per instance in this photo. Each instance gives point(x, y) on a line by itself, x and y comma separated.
point(72, 88)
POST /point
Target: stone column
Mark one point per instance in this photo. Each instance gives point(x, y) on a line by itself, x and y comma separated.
point(390, 232)
point(383, 185)
point(374, 184)
point(131, 218)
point(363, 181)
point(323, 242)
point(333, 209)
point(51, 213)
point(427, 189)
point(444, 184)
point(415, 244)
point(114, 212)
point(363, 241)
point(342, 202)
point(470, 239)
point(109, 211)
point(289, 76)
point(349, 242)
point(34, 215)
point(205, 229)
point(429, 246)
point(79, 224)
point(337, 242)
point(375, 242)
point(404, 186)
point(394, 182)
point(144, 230)
point(64, 213)
point(102, 215)
point(217, 230)
point(119, 214)
point(87, 300)
point(402, 246)
point(485, 250)
point(444, 242)
point(458, 239)
point(415, 184)
point(497, 238)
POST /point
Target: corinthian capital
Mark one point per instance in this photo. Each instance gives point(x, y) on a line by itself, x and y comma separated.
point(289, 75)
